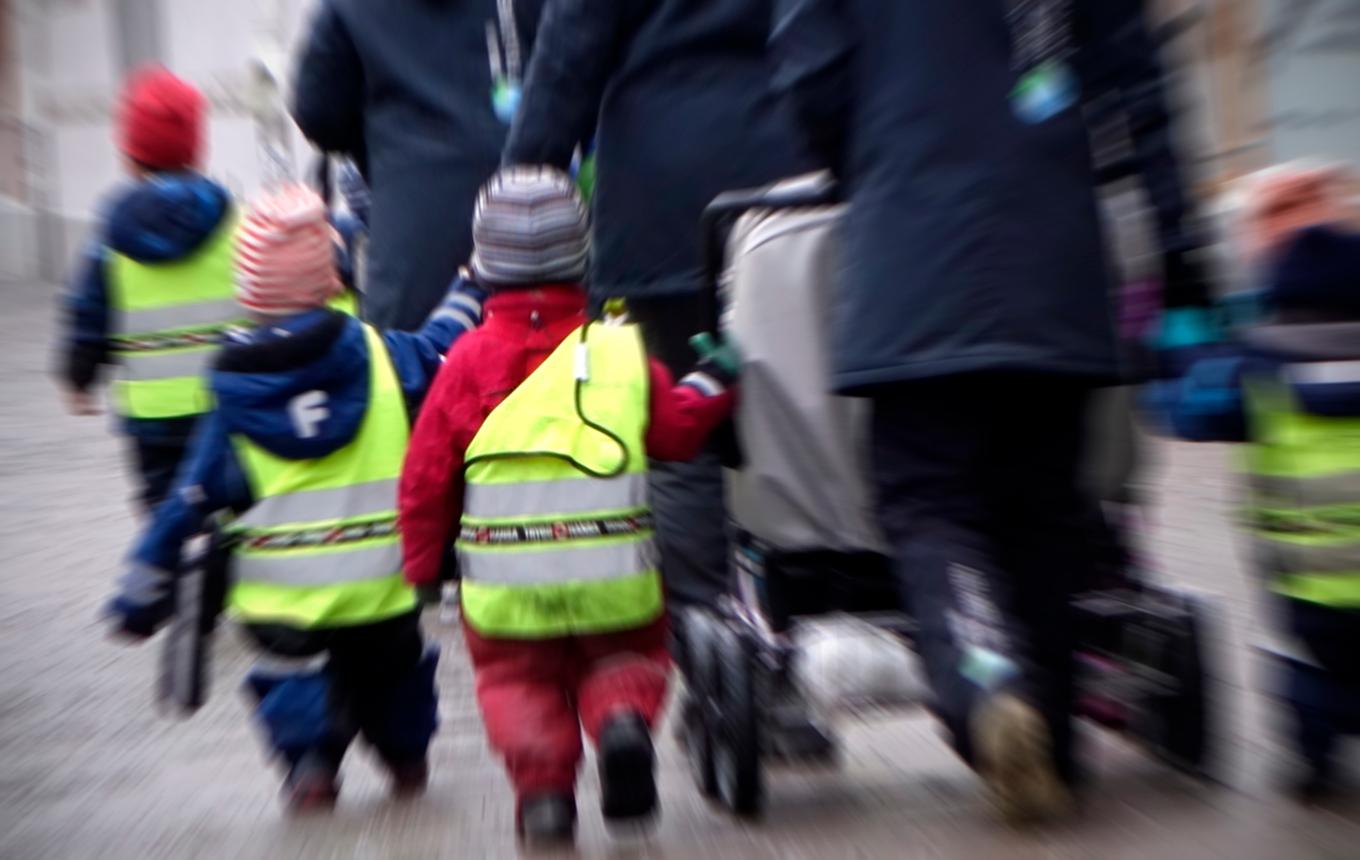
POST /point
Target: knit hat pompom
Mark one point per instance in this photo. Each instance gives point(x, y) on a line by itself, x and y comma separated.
point(285, 253)
point(530, 227)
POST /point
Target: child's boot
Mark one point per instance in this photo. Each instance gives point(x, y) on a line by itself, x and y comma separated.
point(546, 820)
point(627, 768)
point(312, 786)
point(409, 779)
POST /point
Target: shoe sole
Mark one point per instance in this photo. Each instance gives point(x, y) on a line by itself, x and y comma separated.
point(1016, 762)
point(628, 780)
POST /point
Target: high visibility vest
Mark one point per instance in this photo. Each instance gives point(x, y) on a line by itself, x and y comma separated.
point(320, 548)
point(556, 535)
point(168, 321)
point(1304, 513)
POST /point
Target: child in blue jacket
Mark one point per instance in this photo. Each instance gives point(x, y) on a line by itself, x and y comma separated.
point(297, 465)
point(1290, 389)
point(153, 292)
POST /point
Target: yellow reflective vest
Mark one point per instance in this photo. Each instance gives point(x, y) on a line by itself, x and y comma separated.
point(167, 323)
point(1304, 513)
point(319, 548)
point(556, 537)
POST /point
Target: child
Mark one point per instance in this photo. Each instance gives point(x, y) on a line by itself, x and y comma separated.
point(533, 451)
point(154, 292)
point(1291, 389)
point(304, 448)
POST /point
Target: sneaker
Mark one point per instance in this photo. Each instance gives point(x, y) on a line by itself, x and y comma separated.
point(409, 779)
point(1014, 754)
point(627, 764)
point(310, 788)
point(546, 820)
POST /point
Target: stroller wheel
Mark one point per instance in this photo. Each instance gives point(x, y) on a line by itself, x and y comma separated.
point(736, 735)
point(700, 639)
point(1176, 725)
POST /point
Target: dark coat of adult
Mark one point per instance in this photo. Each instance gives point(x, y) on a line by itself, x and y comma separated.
point(973, 240)
point(681, 90)
point(405, 88)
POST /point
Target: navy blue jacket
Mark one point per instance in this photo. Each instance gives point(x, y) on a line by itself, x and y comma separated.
point(973, 240)
point(159, 219)
point(257, 375)
point(679, 92)
point(404, 88)
point(1314, 313)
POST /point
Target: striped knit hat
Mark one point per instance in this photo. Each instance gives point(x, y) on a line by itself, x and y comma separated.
point(285, 254)
point(530, 227)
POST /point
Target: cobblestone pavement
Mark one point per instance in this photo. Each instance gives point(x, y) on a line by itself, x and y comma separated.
point(89, 769)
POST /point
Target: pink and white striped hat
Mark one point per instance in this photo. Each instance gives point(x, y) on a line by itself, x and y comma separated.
point(285, 253)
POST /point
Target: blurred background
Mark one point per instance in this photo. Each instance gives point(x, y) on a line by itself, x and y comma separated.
point(87, 768)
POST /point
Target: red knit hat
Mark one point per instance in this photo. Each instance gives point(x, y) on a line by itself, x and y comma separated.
point(160, 120)
point(285, 254)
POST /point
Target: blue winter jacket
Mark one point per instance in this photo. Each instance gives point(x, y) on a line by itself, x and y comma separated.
point(162, 218)
point(258, 373)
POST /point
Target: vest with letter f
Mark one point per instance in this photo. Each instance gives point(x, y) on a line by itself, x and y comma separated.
point(168, 320)
point(556, 536)
point(319, 548)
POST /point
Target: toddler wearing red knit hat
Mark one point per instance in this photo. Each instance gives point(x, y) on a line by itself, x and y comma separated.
point(153, 290)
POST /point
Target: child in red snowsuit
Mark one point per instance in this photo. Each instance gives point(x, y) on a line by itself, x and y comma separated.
point(535, 439)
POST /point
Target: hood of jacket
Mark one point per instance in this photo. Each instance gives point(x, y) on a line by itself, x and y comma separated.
point(166, 216)
point(297, 387)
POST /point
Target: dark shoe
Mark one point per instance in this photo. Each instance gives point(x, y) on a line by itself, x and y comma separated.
point(409, 779)
point(311, 788)
point(1316, 784)
point(627, 765)
point(1015, 759)
point(546, 820)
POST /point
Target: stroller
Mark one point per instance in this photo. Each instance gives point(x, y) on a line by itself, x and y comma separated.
point(809, 561)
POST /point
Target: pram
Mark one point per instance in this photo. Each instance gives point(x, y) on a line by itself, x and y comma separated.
point(807, 553)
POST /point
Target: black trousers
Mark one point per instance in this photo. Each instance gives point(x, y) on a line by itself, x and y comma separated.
point(687, 498)
point(379, 683)
point(977, 481)
point(156, 461)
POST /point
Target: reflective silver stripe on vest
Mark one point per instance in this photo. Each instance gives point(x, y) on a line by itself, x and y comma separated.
point(319, 568)
point(142, 367)
point(314, 506)
point(532, 499)
point(146, 320)
point(1323, 372)
point(1338, 489)
point(1284, 557)
point(557, 563)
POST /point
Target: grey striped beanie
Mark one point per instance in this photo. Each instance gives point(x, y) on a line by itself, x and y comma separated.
point(530, 227)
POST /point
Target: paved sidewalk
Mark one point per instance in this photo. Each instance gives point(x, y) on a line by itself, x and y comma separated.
point(88, 769)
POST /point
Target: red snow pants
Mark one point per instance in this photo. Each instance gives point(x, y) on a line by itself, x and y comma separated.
point(536, 696)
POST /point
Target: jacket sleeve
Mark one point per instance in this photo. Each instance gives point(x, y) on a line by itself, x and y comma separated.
point(812, 50)
point(209, 481)
point(681, 417)
point(417, 356)
point(1122, 61)
point(430, 499)
point(87, 322)
point(577, 47)
point(328, 90)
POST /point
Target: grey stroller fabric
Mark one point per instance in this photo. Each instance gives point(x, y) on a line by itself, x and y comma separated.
point(802, 484)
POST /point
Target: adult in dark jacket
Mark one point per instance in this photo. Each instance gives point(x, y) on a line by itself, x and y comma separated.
point(974, 311)
point(676, 95)
point(406, 89)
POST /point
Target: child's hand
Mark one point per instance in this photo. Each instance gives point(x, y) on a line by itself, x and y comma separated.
point(80, 403)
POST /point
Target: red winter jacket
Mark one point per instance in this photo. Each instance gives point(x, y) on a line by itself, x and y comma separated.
point(522, 328)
